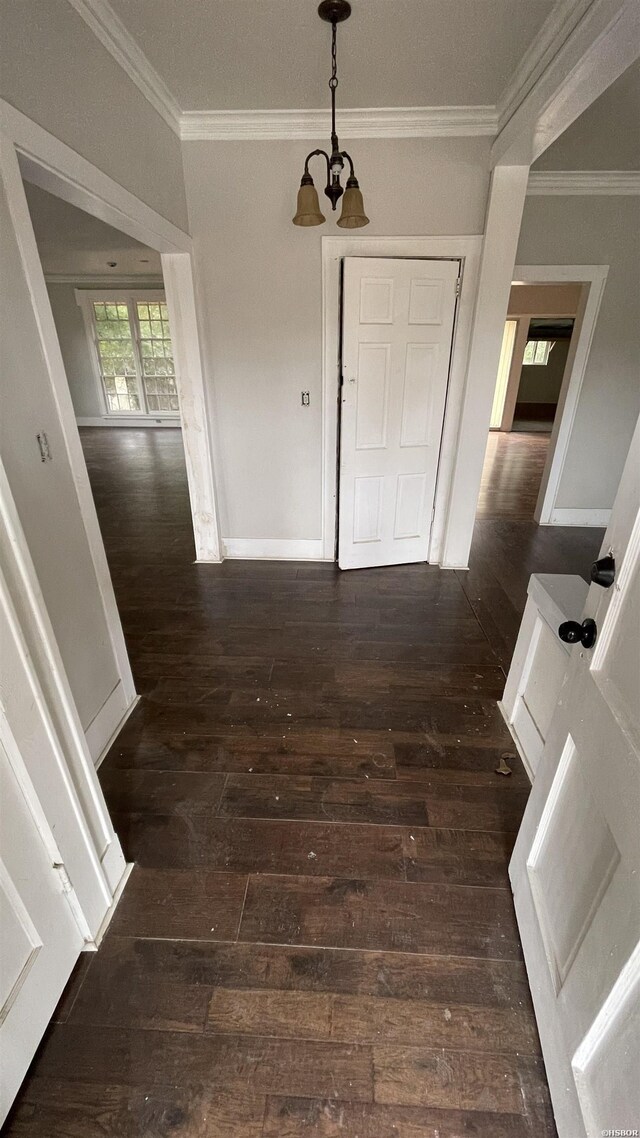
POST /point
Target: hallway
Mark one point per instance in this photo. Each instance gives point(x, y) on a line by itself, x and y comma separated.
point(318, 937)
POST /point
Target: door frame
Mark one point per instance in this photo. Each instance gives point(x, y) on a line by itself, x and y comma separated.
point(594, 277)
point(68, 792)
point(30, 151)
point(467, 250)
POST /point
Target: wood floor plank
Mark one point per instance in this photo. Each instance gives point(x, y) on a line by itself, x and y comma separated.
point(462, 1080)
point(222, 1062)
point(283, 1015)
point(167, 902)
point(129, 976)
point(393, 916)
point(465, 1027)
point(56, 1108)
point(329, 1118)
point(317, 799)
point(159, 792)
point(497, 806)
point(370, 1019)
point(233, 753)
point(463, 857)
point(261, 846)
point(455, 759)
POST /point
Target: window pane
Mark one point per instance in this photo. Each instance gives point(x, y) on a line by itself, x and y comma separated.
point(116, 356)
point(157, 357)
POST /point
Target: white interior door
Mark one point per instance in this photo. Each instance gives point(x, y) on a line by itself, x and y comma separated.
point(576, 865)
point(39, 937)
point(397, 325)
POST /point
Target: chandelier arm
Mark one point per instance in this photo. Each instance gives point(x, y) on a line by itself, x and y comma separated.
point(344, 154)
point(312, 155)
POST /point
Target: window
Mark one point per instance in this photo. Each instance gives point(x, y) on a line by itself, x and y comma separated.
point(537, 352)
point(156, 356)
point(131, 335)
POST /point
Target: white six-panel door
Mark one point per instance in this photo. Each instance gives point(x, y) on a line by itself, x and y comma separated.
point(576, 865)
point(396, 346)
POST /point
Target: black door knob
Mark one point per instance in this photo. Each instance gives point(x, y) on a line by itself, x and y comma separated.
point(572, 632)
point(603, 572)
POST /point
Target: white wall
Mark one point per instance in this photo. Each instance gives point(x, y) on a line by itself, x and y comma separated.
point(45, 495)
point(259, 280)
point(55, 70)
point(596, 231)
point(76, 352)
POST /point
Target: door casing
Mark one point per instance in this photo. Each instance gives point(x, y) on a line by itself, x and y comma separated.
point(430, 506)
point(467, 250)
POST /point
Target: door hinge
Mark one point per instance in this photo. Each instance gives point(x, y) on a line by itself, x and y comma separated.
point(67, 885)
point(458, 286)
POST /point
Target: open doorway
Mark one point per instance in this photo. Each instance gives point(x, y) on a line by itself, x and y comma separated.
point(538, 353)
point(108, 302)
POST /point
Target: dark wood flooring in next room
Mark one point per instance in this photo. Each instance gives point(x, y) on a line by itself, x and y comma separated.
point(318, 936)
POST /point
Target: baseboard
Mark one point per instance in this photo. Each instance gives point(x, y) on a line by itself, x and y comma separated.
point(105, 725)
point(138, 421)
point(599, 518)
point(273, 549)
point(94, 945)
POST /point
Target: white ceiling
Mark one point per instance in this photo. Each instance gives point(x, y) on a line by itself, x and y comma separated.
point(606, 136)
point(72, 242)
point(275, 54)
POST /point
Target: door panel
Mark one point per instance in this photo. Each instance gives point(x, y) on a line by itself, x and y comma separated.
point(576, 865)
point(397, 330)
point(39, 937)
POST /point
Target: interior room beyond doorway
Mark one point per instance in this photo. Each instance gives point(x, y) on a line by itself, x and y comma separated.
point(537, 354)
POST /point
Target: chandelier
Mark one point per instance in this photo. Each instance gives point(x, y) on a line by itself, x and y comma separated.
point(308, 209)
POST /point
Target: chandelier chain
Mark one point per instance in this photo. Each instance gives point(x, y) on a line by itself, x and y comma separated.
point(333, 82)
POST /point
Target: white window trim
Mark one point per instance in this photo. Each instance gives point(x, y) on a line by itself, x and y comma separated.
point(85, 298)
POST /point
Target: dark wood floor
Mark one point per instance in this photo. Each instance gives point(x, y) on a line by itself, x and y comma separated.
point(318, 936)
point(512, 473)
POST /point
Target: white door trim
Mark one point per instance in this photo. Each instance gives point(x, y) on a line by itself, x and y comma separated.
point(463, 248)
point(595, 276)
point(70, 794)
point(49, 163)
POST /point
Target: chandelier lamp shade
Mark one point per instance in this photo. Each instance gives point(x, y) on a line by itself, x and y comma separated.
point(308, 211)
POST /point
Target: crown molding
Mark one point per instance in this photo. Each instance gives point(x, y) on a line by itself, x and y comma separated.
point(96, 280)
point(584, 182)
point(112, 33)
point(354, 122)
point(561, 21)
